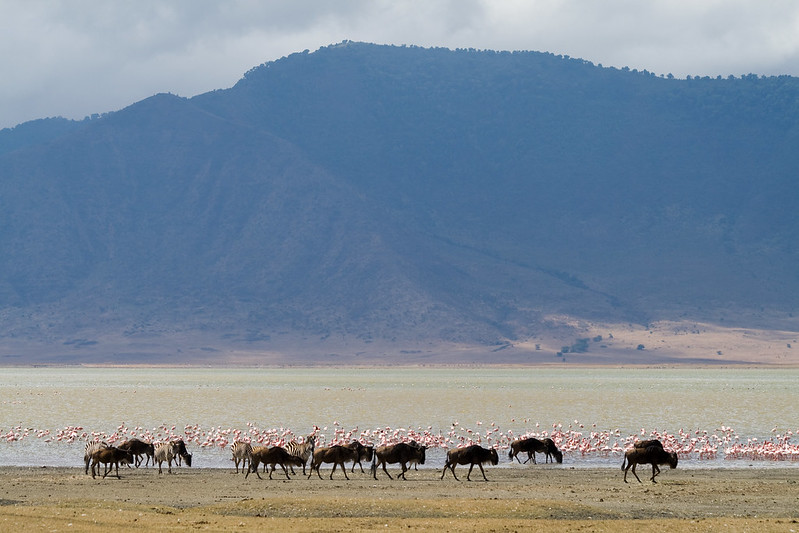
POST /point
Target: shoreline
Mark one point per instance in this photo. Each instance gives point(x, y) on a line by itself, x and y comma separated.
point(515, 498)
point(302, 366)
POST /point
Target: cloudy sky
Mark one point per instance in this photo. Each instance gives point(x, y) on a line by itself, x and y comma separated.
point(72, 58)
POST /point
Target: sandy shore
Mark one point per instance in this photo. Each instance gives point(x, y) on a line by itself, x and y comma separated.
point(515, 498)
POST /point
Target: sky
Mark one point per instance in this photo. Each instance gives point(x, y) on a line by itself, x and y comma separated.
point(73, 58)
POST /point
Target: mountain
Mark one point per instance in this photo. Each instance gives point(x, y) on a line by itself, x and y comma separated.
point(366, 198)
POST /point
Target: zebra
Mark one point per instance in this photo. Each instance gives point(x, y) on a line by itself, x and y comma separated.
point(242, 452)
point(91, 447)
point(302, 450)
point(169, 451)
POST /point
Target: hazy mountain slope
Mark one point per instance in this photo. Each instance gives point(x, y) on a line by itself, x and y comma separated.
point(637, 183)
point(405, 195)
point(36, 132)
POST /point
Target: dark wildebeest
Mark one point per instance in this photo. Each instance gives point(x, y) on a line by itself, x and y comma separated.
point(471, 455)
point(182, 453)
point(365, 453)
point(138, 448)
point(110, 457)
point(338, 455)
point(653, 455)
point(414, 462)
point(401, 453)
point(271, 456)
point(532, 445)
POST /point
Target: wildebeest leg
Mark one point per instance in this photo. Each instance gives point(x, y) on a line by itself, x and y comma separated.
point(343, 469)
point(469, 474)
point(451, 466)
point(253, 468)
point(654, 473)
point(317, 470)
point(384, 470)
point(626, 469)
point(404, 469)
point(482, 471)
point(285, 471)
point(636, 475)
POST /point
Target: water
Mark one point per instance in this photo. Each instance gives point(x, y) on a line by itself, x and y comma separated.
point(755, 403)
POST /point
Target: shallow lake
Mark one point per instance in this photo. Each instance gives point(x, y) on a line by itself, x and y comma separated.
point(600, 410)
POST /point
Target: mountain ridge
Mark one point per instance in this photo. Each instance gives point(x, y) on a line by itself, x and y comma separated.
point(375, 194)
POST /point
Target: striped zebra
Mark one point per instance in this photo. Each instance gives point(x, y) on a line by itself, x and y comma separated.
point(166, 452)
point(91, 447)
point(242, 453)
point(302, 450)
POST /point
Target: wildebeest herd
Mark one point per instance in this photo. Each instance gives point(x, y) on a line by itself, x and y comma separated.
point(134, 452)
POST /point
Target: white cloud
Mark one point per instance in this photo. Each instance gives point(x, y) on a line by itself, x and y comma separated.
point(77, 57)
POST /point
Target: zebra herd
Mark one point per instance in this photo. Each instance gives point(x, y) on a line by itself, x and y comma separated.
point(243, 452)
point(130, 452)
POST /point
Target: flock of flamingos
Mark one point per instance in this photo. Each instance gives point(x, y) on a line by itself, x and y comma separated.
point(573, 440)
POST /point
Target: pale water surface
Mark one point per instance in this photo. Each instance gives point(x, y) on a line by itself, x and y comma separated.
point(754, 402)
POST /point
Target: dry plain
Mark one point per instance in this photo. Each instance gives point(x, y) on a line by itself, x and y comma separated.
point(516, 498)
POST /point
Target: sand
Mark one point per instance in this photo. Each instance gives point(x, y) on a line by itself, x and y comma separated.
point(521, 497)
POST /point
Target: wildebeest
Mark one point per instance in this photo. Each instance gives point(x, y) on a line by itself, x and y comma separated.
point(109, 457)
point(471, 455)
point(182, 452)
point(414, 462)
point(338, 455)
point(138, 448)
point(647, 443)
point(271, 456)
point(242, 453)
point(303, 450)
point(169, 451)
point(654, 455)
point(401, 453)
point(532, 445)
point(365, 453)
point(89, 449)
